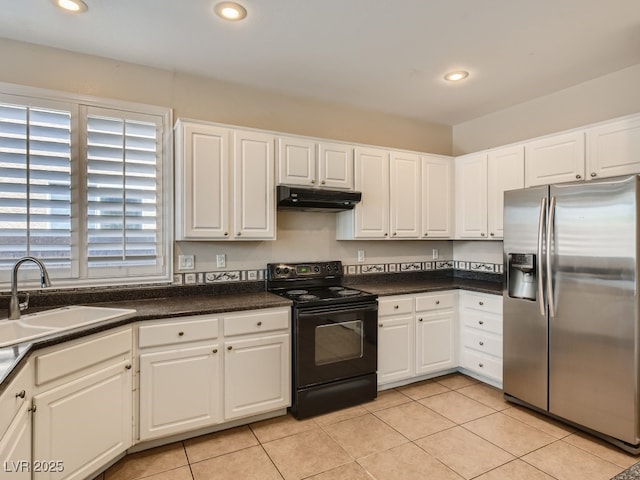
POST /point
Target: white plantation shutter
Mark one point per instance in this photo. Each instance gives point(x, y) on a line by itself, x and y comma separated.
point(35, 186)
point(122, 193)
point(85, 189)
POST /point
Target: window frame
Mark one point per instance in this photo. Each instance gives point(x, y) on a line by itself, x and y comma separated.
point(78, 105)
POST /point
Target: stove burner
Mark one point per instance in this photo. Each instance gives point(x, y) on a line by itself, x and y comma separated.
point(308, 297)
point(297, 292)
point(347, 293)
point(336, 289)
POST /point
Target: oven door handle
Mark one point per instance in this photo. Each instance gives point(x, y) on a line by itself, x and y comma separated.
point(313, 311)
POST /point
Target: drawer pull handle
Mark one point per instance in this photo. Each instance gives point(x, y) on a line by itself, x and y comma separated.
point(437, 302)
point(481, 365)
point(481, 303)
point(481, 322)
point(21, 394)
point(180, 334)
point(128, 366)
point(215, 350)
point(259, 324)
point(481, 343)
point(229, 347)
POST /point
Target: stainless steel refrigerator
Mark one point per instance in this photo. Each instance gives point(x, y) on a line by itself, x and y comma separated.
point(571, 331)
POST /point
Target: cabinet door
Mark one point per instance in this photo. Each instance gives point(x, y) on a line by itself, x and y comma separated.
point(395, 348)
point(15, 447)
point(554, 159)
point(404, 195)
point(296, 161)
point(437, 198)
point(180, 390)
point(614, 149)
point(202, 182)
point(471, 196)
point(84, 423)
point(254, 188)
point(372, 179)
point(257, 375)
point(505, 171)
point(335, 165)
point(435, 342)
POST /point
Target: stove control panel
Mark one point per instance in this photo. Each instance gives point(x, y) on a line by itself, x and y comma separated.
point(288, 271)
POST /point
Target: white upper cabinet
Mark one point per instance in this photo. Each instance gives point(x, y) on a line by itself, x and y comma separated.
point(554, 159)
point(614, 148)
point(404, 195)
point(437, 197)
point(254, 203)
point(309, 163)
point(505, 171)
point(471, 196)
point(224, 183)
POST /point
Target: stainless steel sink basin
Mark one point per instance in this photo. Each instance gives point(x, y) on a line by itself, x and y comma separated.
point(39, 324)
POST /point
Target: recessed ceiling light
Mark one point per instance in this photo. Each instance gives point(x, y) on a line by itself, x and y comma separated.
point(230, 11)
point(76, 6)
point(456, 76)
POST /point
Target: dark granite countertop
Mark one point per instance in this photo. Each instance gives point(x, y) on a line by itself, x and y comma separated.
point(433, 285)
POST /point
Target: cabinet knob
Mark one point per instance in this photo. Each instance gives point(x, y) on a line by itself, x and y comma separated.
point(394, 234)
point(226, 234)
point(313, 181)
point(259, 324)
point(323, 182)
point(482, 234)
point(492, 234)
point(481, 365)
point(180, 334)
point(128, 366)
point(426, 234)
point(396, 307)
point(480, 303)
point(420, 319)
point(21, 394)
point(215, 350)
point(481, 343)
point(594, 174)
point(385, 234)
point(229, 347)
point(380, 325)
point(578, 177)
point(239, 233)
point(437, 302)
point(481, 322)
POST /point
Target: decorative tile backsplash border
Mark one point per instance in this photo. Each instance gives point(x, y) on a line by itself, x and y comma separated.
point(230, 276)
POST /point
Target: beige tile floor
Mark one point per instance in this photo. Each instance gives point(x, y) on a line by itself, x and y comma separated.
point(451, 427)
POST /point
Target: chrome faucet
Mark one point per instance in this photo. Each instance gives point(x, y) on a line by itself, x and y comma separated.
point(15, 307)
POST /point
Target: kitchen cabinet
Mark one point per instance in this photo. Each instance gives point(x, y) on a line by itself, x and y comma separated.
point(437, 197)
point(15, 424)
point(480, 182)
point(404, 195)
point(555, 159)
point(395, 339)
point(481, 336)
point(257, 362)
point(311, 163)
point(613, 148)
point(84, 388)
point(224, 183)
point(436, 332)
point(180, 375)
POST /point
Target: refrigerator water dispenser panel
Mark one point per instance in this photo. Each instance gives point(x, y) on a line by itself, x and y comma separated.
point(522, 276)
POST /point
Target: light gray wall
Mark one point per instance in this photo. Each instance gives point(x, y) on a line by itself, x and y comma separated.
point(603, 98)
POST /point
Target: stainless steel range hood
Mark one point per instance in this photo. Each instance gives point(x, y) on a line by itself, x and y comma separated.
point(316, 200)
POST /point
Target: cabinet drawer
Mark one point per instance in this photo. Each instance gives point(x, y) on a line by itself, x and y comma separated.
point(482, 364)
point(482, 342)
point(395, 305)
point(256, 322)
point(12, 398)
point(485, 303)
point(188, 329)
point(85, 354)
point(486, 322)
point(435, 301)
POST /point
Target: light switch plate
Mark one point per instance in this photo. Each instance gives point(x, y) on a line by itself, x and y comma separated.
point(435, 254)
point(186, 262)
point(360, 256)
point(221, 260)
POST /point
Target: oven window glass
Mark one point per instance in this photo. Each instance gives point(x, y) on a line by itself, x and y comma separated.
point(337, 342)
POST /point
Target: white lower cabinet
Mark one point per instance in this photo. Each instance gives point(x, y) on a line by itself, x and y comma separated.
point(396, 339)
point(435, 332)
point(82, 414)
point(15, 446)
point(481, 336)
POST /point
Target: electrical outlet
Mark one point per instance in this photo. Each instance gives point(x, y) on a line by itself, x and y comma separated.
point(221, 260)
point(435, 254)
point(186, 262)
point(360, 256)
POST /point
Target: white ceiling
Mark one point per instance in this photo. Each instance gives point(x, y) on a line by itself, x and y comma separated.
point(384, 55)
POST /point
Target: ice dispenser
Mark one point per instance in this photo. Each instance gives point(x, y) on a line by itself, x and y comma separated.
point(521, 279)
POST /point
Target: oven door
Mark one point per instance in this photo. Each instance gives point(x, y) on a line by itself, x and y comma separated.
point(335, 343)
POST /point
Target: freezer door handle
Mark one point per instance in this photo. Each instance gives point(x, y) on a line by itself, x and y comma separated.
point(541, 221)
point(550, 219)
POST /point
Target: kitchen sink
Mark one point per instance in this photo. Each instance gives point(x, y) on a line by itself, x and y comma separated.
point(39, 324)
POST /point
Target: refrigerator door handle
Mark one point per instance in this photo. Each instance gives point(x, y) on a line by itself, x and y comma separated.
point(550, 219)
point(539, 273)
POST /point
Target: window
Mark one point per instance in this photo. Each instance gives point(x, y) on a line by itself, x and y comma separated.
point(84, 186)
